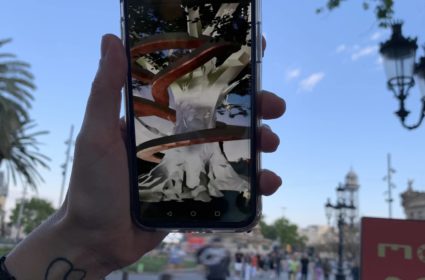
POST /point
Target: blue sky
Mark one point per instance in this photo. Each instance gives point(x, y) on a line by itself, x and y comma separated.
point(340, 114)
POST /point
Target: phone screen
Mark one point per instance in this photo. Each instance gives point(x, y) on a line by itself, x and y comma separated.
point(192, 91)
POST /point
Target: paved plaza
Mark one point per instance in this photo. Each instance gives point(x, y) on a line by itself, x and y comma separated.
point(198, 276)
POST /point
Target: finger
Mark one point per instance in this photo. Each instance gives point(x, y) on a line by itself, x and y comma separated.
point(103, 107)
point(269, 141)
point(270, 106)
point(269, 182)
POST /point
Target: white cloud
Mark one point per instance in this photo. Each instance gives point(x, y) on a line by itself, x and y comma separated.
point(292, 74)
point(309, 83)
point(341, 48)
point(379, 60)
point(366, 51)
point(376, 36)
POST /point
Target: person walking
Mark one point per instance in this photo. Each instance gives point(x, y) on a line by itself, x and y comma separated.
point(327, 269)
point(278, 263)
point(254, 265)
point(304, 267)
point(293, 268)
point(238, 265)
point(247, 267)
point(216, 260)
point(355, 271)
point(318, 269)
point(175, 257)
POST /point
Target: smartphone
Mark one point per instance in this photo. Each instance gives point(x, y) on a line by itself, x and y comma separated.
point(194, 73)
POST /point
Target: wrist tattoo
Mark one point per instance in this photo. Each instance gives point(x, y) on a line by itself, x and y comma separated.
point(66, 268)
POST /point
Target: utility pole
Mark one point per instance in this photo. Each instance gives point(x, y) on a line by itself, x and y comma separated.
point(388, 178)
point(64, 166)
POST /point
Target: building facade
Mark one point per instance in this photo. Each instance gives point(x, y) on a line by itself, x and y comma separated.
point(246, 243)
point(316, 234)
point(413, 203)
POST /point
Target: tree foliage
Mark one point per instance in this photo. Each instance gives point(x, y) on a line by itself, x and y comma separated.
point(19, 148)
point(163, 16)
point(384, 9)
point(35, 212)
point(284, 231)
point(16, 84)
point(172, 16)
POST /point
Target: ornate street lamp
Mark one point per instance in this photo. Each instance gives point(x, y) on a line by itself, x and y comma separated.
point(420, 74)
point(342, 210)
point(399, 55)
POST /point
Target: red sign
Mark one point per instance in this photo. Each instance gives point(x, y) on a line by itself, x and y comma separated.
point(393, 249)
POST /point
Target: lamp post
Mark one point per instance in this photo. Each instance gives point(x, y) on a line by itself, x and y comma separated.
point(341, 210)
point(399, 55)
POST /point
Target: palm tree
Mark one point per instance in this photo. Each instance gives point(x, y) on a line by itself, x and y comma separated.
point(16, 82)
point(19, 148)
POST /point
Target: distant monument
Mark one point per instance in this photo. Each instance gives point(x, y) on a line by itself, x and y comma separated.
point(413, 203)
point(352, 186)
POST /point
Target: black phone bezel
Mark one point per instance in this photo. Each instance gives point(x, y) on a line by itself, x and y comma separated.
point(206, 226)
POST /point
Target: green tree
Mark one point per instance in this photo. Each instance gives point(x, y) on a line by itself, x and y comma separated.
point(35, 212)
point(19, 148)
point(284, 231)
point(384, 9)
point(268, 231)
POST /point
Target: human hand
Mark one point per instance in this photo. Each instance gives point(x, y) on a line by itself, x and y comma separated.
point(94, 222)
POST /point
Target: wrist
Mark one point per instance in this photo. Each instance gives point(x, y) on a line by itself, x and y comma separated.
point(54, 250)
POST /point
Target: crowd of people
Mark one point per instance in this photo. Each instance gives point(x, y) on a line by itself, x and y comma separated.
point(220, 264)
point(275, 265)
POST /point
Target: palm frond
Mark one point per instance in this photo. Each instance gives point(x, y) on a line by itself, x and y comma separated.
point(19, 145)
point(5, 41)
point(23, 159)
point(15, 67)
point(16, 81)
point(7, 55)
point(9, 109)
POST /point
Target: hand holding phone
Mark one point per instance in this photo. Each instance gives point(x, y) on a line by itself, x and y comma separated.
point(93, 230)
point(191, 112)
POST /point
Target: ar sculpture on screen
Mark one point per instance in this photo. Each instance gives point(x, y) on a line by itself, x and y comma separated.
point(189, 92)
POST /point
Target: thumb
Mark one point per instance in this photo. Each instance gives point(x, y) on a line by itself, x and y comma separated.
point(103, 107)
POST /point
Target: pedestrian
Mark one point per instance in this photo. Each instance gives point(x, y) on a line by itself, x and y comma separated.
point(254, 265)
point(293, 265)
point(327, 269)
point(304, 266)
point(247, 267)
point(238, 265)
point(175, 257)
point(277, 263)
point(216, 260)
point(355, 271)
point(318, 269)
